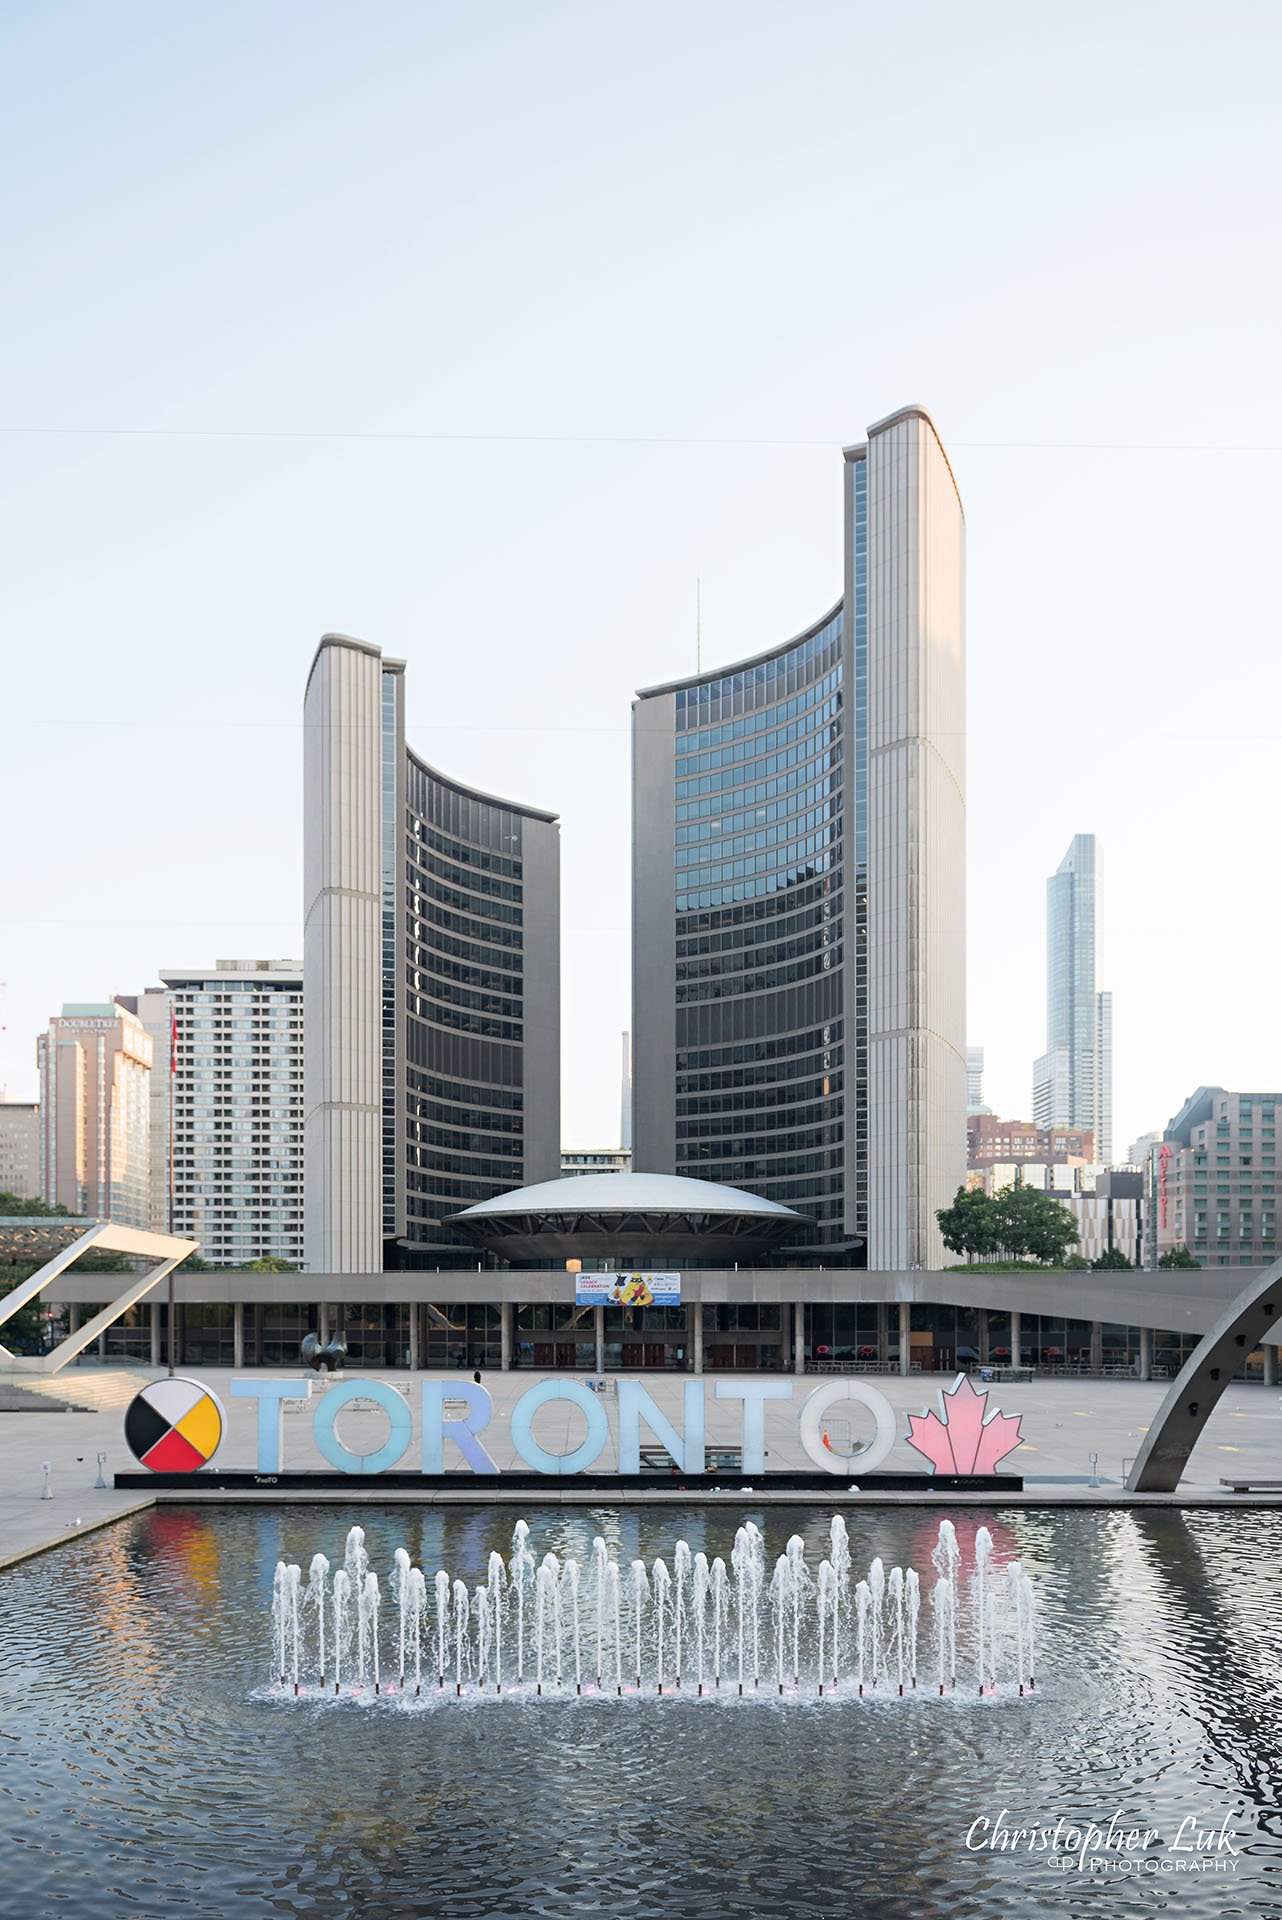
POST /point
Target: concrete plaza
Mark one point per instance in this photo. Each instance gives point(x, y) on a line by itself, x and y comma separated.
point(1064, 1421)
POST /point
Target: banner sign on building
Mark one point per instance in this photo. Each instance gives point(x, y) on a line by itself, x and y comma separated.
point(627, 1289)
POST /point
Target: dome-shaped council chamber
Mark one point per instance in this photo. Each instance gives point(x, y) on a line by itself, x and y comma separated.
point(652, 1220)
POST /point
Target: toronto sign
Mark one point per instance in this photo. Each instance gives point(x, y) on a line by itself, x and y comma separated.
point(964, 1437)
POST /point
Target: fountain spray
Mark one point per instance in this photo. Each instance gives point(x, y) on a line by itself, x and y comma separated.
point(662, 1590)
point(681, 1580)
point(640, 1594)
point(317, 1574)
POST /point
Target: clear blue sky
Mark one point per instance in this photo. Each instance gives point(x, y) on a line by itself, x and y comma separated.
point(636, 275)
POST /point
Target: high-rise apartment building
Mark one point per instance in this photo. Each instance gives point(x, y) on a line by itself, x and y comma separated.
point(1073, 1079)
point(1212, 1180)
point(975, 1081)
point(95, 1078)
point(799, 889)
point(1104, 1077)
point(20, 1148)
point(432, 963)
point(236, 1031)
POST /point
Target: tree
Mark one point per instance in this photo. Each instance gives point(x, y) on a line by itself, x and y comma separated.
point(1019, 1222)
point(13, 1203)
point(1031, 1224)
point(1111, 1260)
point(1178, 1257)
point(967, 1226)
point(25, 1326)
point(1076, 1263)
point(270, 1266)
point(22, 1330)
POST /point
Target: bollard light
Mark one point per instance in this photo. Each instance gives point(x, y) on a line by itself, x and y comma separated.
point(100, 1482)
point(48, 1490)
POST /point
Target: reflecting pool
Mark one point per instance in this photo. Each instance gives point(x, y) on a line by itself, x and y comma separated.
point(151, 1762)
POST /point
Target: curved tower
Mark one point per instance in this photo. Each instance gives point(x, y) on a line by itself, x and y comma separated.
point(799, 889)
point(432, 983)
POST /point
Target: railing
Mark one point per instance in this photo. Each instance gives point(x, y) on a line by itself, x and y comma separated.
point(852, 1366)
point(1067, 1370)
point(995, 1372)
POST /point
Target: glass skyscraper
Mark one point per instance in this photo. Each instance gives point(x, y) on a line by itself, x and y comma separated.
point(432, 1058)
point(760, 933)
point(1072, 1081)
point(798, 897)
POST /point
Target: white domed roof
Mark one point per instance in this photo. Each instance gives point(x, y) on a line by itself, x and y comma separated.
point(629, 1193)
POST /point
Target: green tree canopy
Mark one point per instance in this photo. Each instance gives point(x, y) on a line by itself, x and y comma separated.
point(967, 1226)
point(1178, 1257)
point(1019, 1222)
point(1032, 1223)
point(23, 1328)
point(13, 1203)
point(1110, 1260)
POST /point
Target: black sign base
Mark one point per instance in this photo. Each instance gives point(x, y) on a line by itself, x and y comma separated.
point(210, 1480)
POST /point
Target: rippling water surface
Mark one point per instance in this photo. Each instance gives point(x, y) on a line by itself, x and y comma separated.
point(146, 1768)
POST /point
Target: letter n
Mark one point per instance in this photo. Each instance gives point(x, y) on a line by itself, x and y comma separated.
point(636, 1405)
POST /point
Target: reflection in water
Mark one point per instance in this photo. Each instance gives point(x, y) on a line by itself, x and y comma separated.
point(147, 1767)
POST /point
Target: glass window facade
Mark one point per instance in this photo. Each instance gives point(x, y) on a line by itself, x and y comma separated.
point(771, 993)
point(461, 1336)
point(464, 1010)
point(377, 1335)
point(283, 1327)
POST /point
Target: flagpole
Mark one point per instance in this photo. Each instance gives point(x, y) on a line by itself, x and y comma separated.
point(173, 1068)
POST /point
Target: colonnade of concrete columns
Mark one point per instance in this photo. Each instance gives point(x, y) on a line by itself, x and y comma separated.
point(248, 1337)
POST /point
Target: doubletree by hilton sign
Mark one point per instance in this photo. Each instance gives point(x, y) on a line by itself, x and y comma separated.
point(961, 1439)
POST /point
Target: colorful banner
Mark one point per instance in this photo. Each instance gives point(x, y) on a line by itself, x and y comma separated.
point(627, 1289)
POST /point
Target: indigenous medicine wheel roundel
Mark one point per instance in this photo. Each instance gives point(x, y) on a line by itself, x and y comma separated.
point(174, 1426)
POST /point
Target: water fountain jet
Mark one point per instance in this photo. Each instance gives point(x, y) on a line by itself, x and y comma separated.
point(333, 1627)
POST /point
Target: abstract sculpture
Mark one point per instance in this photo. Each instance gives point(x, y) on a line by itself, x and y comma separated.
point(332, 1355)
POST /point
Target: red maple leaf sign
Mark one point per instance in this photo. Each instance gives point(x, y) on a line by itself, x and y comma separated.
point(960, 1438)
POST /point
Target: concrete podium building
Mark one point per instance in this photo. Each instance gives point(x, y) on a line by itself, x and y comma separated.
point(799, 927)
point(432, 977)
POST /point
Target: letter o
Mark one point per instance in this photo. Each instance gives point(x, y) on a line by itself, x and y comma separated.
point(331, 1448)
point(810, 1432)
point(522, 1427)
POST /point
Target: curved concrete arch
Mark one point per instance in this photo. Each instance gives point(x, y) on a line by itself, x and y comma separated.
point(1195, 1393)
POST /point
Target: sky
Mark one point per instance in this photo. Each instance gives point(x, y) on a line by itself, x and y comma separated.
point(484, 332)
